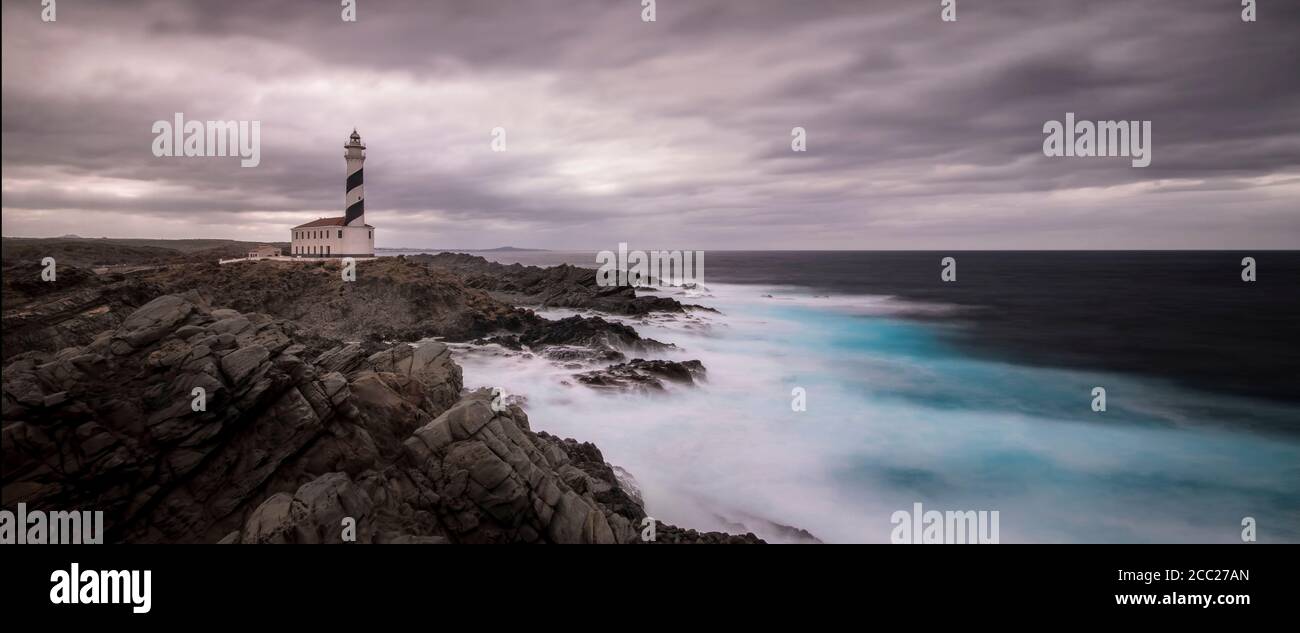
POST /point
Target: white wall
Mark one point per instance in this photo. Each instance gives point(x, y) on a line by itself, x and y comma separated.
point(355, 241)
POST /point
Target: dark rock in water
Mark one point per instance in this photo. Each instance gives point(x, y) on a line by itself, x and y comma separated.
point(783, 533)
point(575, 357)
point(643, 376)
point(281, 449)
point(580, 338)
point(684, 372)
point(798, 535)
point(672, 535)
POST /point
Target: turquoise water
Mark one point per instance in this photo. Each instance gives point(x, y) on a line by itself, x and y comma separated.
point(895, 416)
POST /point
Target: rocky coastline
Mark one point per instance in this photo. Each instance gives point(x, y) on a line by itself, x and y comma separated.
point(271, 402)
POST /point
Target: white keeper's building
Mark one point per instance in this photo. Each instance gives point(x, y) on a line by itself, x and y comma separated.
point(347, 235)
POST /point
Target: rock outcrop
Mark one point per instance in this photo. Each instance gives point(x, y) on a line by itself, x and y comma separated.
point(563, 286)
point(185, 422)
point(579, 338)
point(643, 376)
point(392, 299)
point(71, 310)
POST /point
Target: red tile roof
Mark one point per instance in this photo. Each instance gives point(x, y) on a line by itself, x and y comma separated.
point(326, 222)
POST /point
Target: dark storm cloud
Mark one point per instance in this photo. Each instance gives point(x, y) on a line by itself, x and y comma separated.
point(922, 134)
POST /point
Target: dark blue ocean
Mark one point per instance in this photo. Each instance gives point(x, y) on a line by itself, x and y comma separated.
point(968, 395)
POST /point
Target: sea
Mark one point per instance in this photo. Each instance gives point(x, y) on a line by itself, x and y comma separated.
point(843, 387)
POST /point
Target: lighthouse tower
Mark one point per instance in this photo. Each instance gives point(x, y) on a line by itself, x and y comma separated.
point(346, 236)
point(354, 201)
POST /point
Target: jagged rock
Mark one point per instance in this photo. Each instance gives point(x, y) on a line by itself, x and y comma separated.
point(429, 362)
point(184, 422)
point(129, 438)
point(612, 489)
point(499, 482)
point(561, 286)
point(315, 513)
point(156, 318)
point(342, 359)
point(240, 364)
point(670, 535)
point(393, 299)
point(70, 311)
point(282, 450)
point(579, 338)
point(643, 376)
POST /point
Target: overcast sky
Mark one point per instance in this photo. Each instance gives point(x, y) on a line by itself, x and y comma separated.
point(672, 134)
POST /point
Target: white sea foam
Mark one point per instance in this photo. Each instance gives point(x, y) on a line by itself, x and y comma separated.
point(894, 418)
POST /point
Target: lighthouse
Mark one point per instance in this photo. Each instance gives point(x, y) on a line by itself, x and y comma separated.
point(354, 200)
point(348, 235)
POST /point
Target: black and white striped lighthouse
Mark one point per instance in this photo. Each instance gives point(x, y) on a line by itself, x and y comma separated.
point(355, 200)
point(340, 236)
